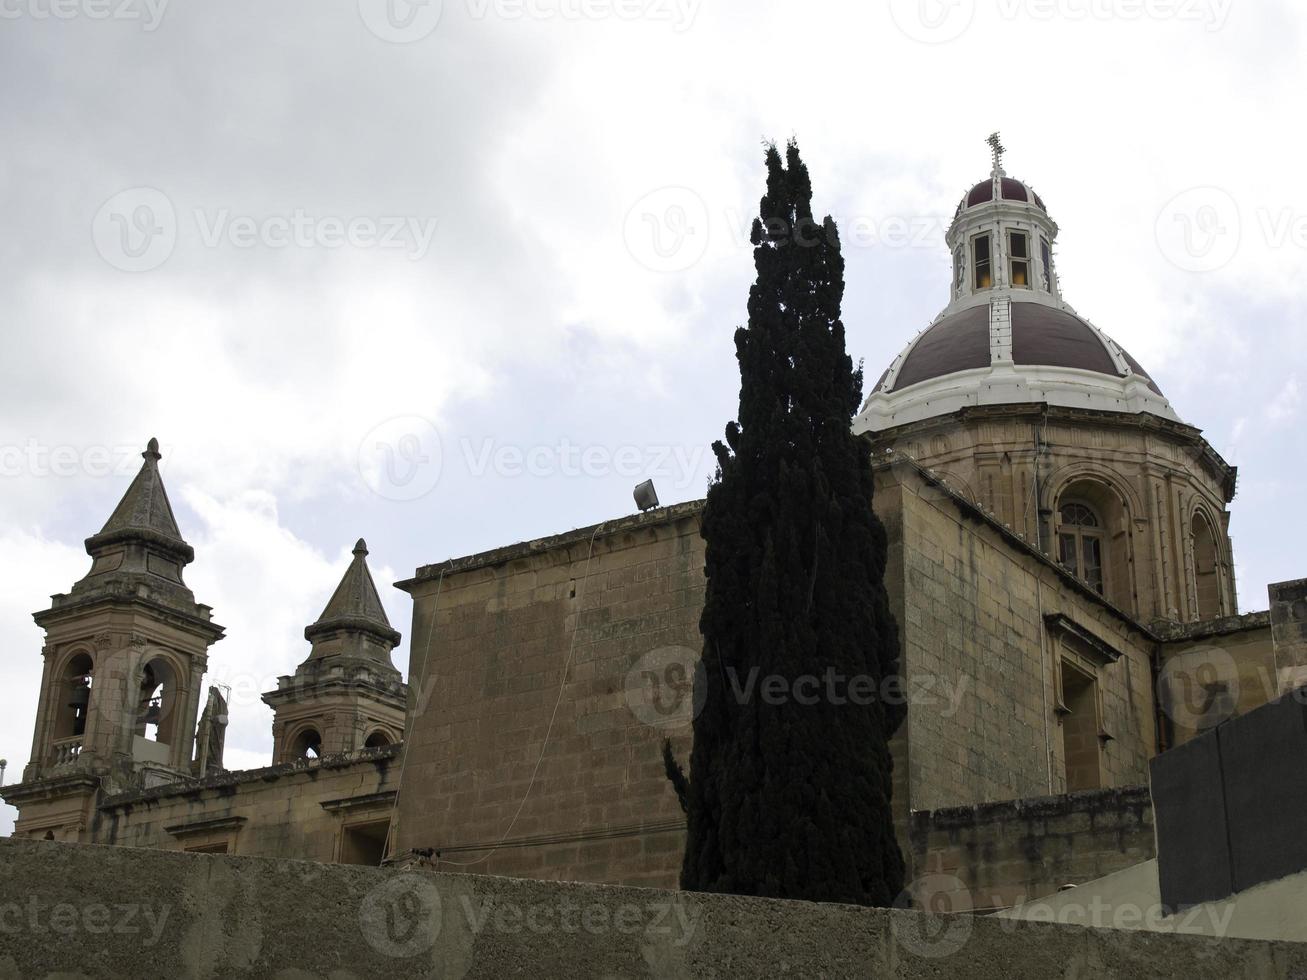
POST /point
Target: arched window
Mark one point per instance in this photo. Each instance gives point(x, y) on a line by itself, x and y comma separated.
point(307, 745)
point(72, 708)
point(1206, 580)
point(1081, 544)
point(156, 694)
point(377, 740)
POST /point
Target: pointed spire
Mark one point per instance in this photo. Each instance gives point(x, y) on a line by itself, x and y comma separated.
point(144, 512)
point(355, 605)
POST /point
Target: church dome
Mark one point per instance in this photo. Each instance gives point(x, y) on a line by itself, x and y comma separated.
point(1041, 336)
point(1007, 336)
point(1009, 189)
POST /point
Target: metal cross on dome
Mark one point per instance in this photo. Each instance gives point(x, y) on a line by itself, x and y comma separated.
point(996, 146)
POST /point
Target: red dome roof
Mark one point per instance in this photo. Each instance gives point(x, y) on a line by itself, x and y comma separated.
point(1041, 336)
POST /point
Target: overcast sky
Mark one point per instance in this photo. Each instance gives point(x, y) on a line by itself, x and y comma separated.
point(453, 276)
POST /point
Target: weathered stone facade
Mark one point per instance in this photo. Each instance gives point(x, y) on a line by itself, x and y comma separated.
point(1059, 566)
point(121, 753)
point(525, 755)
point(1158, 486)
point(995, 855)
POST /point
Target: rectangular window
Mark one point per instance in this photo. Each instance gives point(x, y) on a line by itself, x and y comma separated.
point(980, 253)
point(1081, 747)
point(1046, 259)
point(1019, 253)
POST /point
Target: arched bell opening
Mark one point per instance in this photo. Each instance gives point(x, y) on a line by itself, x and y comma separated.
point(156, 701)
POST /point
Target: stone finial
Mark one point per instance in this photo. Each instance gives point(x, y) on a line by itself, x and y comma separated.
point(152, 450)
point(360, 547)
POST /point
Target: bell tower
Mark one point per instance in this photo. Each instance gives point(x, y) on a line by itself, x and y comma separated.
point(347, 694)
point(125, 652)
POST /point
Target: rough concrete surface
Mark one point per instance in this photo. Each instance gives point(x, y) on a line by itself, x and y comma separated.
point(91, 911)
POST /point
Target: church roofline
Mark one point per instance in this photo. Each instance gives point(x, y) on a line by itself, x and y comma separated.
point(540, 546)
point(1225, 474)
point(68, 606)
point(892, 460)
point(310, 767)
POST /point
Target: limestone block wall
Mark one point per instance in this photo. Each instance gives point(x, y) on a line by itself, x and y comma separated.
point(109, 912)
point(1149, 479)
point(1210, 672)
point(987, 626)
point(995, 855)
point(545, 678)
point(1289, 625)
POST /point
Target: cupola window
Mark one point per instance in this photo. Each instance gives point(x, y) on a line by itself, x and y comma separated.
point(959, 270)
point(980, 253)
point(1018, 247)
point(1080, 544)
point(1046, 263)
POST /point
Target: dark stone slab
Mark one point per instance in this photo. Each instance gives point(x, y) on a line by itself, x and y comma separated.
point(1193, 853)
point(1264, 762)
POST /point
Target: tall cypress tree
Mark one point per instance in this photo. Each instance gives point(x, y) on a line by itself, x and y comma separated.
point(789, 785)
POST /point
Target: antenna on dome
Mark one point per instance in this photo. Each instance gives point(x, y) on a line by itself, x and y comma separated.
point(997, 148)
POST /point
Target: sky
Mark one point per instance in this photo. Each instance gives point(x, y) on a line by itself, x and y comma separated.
point(451, 275)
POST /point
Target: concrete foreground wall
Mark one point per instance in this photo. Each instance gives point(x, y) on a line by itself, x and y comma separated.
point(87, 911)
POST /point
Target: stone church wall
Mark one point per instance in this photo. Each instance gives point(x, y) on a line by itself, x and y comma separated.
point(983, 640)
point(986, 625)
point(1212, 671)
point(302, 809)
point(486, 685)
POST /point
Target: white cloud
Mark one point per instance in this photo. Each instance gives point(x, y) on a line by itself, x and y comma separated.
point(35, 566)
point(1286, 403)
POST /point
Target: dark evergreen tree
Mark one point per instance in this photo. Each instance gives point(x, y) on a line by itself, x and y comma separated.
point(789, 793)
